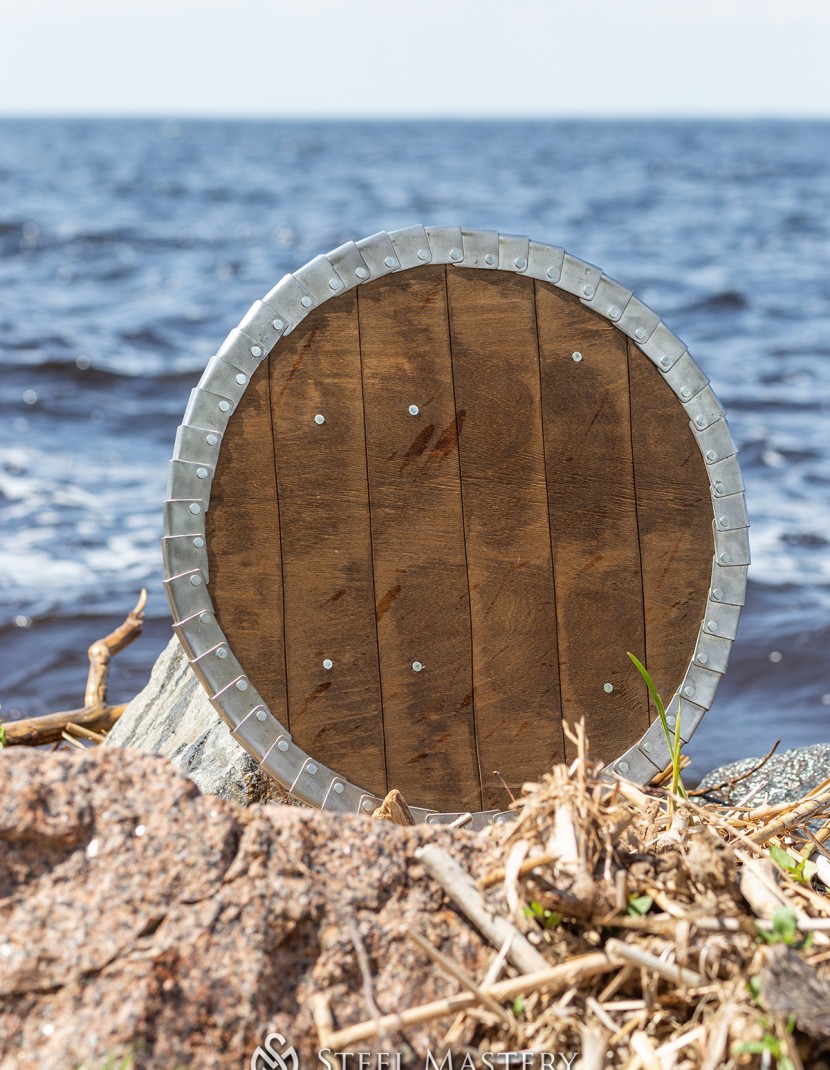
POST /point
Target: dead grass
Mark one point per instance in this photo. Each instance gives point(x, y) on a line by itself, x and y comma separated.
point(671, 937)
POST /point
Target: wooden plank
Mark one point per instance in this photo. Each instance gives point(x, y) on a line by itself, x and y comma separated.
point(497, 387)
point(675, 515)
point(243, 542)
point(245, 472)
point(593, 516)
point(417, 528)
point(336, 712)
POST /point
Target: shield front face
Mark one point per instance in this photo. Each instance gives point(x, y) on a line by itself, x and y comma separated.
point(438, 511)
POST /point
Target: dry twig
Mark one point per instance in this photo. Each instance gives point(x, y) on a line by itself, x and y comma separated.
point(95, 714)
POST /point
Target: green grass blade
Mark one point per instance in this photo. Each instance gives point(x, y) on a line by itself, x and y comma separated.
point(646, 675)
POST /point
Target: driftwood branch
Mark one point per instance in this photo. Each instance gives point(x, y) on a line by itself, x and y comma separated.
point(95, 714)
point(394, 809)
point(455, 971)
point(550, 980)
point(461, 888)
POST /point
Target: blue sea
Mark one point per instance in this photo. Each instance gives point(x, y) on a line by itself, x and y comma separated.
point(128, 249)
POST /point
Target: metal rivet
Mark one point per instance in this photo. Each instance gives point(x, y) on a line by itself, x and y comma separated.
point(221, 652)
point(205, 618)
point(261, 715)
point(198, 542)
point(202, 473)
point(622, 766)
point(665, 362)
point(490, 259)
point(700, 421)
point(686, 392)
point(311, 768)
point(283, 745)
point(613, 313)
point(647, 747)
point(455, 254)
point(195, 580)
point(703, 659)
point(195, 509)
point(368, 805)
point(224, 406)
point(712, 626)
point(416, 666)
point(552, 273)
point(719, 487)
point(520, 263)
point(328, 663)
point(242, 379)
point(319, 419)
point(688, 690)
point(607, 688)
point(413, 410)
point(640, 334)
point(423, 254)
point(338, 787)
point(212, 440)
point(724, 558)
point(391, 262)
point(256, 351)
point(362, 272)
point(306, 301)
point(577, 356)
point(711, 455)
point(241, 685)
point(278, 325)
point(717, 594)
point(724, 521)
point(588, 291)
point(335, 284)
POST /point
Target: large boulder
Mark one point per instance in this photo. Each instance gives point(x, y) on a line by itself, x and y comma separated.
point(144, 922)
point(172, 717)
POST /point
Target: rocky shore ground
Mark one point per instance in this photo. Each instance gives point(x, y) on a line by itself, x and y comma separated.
point(168, 910)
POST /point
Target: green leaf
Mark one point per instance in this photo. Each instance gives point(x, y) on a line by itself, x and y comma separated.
point(658, 702)
point(785, 923)
point(639, 905)
point(548, 918)
point(800, 869)
point(807, 869)
point(518, 1007)
point(753, 1047)
point(784, 859)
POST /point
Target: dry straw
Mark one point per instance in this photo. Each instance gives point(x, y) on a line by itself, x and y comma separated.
point(638, 928)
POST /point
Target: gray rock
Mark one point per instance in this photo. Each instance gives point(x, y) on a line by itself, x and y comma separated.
point(787, 777)
point(172, 717)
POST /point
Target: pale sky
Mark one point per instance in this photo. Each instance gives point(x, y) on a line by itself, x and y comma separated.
point(415, 57)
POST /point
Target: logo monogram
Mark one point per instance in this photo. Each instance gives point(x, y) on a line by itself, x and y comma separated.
point(266, 1057)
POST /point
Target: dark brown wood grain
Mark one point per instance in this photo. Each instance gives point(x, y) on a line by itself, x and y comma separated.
point(593, 517)
point(675, 517)
point(243, 542)
point(534, 520)
point(326, 545)
point(418, 540)
point(245, 471)
point(515, 666)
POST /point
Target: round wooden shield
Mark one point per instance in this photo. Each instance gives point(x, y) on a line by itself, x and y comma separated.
point(425, 499)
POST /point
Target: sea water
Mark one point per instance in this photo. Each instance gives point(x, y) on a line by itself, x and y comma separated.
point(128, 249)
